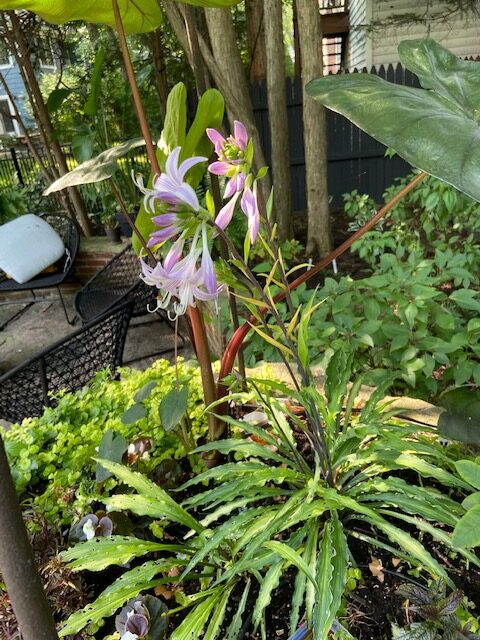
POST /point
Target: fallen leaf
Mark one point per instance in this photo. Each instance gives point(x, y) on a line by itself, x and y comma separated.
point(376, 569)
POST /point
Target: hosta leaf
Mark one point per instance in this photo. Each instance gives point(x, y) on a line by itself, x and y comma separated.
point(270, 583)
point(470, 472)
point(467, 531)
point(323, 614)
point(129, 585)
point(236, 624)
point(435, 128)
point(193, 624)
point(289, 554)
point(96, 169)
point(301, 578)
point(218, 615)
point(339, 563)
point(247, 447)
point(152, 500)
point(98, 553)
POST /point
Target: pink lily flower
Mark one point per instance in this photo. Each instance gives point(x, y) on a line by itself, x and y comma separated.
point(180, 280)
point(169, 224)
point(249, 206)
point(170, 187)
point(230, 152)
point(225, 214)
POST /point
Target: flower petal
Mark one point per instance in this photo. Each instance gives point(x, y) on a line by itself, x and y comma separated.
point(189, 163)
point(219, 168)
point(215, 137)
point(171, 165)
point(240, 134)
point(225, 214)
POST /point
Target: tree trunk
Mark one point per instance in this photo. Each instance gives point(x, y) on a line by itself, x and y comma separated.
point(319, 239)
point(199, 70)
point(229, 74)
point(277, 114)
point(296, 43)
point(256, 40)
point(17, 565)
point(238, 102)
point(22, 55)
point(159, 69)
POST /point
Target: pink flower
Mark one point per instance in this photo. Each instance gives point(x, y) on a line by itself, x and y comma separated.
point(225, 214)
point(249, 206)
point(170, 187)
point(231, 157)
point(180, 280)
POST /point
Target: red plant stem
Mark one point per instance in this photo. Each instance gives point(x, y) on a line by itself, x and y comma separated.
point(242, 332)
point(215, 428)
point(142, 119)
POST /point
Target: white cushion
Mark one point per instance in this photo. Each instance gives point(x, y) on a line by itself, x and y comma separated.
point(28, 245)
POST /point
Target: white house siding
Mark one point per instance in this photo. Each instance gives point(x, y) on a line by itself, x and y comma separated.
point(459, 34)
point(357, 54)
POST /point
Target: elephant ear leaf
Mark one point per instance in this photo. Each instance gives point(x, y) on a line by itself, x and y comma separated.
point(435, 128)
point(137, 17)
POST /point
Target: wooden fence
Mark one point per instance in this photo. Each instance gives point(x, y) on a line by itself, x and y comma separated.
point(355, 160)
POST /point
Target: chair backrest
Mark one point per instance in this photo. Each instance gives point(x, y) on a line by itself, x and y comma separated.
point(68, 364)
point(117, 281)
point(68, 231)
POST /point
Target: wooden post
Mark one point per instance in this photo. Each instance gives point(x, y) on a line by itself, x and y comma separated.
point(17, 565)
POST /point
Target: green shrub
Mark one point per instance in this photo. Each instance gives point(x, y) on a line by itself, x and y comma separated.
point(433, 217)
point(51, 456)
point(418, 318)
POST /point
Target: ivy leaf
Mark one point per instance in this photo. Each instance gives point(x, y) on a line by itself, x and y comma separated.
point(435, 128)
point(111, 447)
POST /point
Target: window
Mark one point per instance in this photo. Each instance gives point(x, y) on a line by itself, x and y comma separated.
point(44, 53)
point(333, 52)
point(7, 122)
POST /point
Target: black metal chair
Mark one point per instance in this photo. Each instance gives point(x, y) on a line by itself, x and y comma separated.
point(117, 281)
point(69, 233)
point(67, 364)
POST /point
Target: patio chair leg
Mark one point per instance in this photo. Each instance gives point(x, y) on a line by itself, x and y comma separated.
point(73, 320)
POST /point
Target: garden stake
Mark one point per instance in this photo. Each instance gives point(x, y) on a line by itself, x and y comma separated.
point(198, 328)
point(17, 565)
point(241, 333)
point(142, 119)
point(215, 429)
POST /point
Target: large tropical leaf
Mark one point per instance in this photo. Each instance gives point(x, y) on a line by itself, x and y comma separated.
point(96, 169)
point(435, 128)
point(138, 16)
